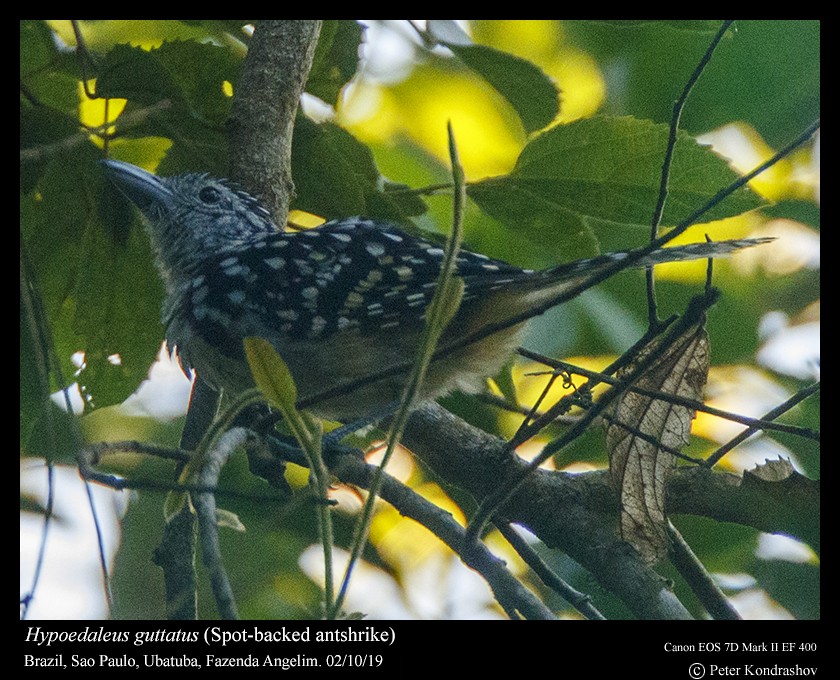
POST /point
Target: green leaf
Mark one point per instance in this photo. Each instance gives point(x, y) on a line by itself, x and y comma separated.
point(100, 292)
point(599, 178)
point(37, 47)
point(49, 75)
point(271, 374)
point(175, 503)
point(779, 97)
point(336, 176)
point(188, 73)
point(529, 91)
point(54, 435)
point(506, 384)
point(336, 58)
point(40, 126)
point(226, 518)
point(277, 385)
point(34, 377)
point(191, 77)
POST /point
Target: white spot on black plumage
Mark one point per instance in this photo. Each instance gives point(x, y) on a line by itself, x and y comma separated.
point(304, 267)
point(318, 324)
point(375, 249)
point(275, 262)
point(309, 293)
point(394, 237)
point(199, 294)
point(237, 296)
point(217, 315)
point(354, 299)
point(403, 272)
point(236, 270)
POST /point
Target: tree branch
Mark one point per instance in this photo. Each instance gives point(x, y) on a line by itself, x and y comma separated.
point(508, 591)
point(263, 114)
point(260, 141)
point(578, 513)
point(558, 508)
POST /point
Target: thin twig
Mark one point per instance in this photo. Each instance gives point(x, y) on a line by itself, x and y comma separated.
point(429, 190)
point(758, 423)
point(26, 601)
point(508, 591)
point(126, 121)
point(493, 502)
point(85, 59)
point(502, 403)
point(100, 543)
point(93, 453)
point(529, 416)
point(205, 506)
point(580, 601)
point(802, 394)
point(679, 105)
point(124, 484)
point(440, 311)
point(651, 439)
point(565, 403)
point(28, 94)
point(698, 578)
point(35, 325)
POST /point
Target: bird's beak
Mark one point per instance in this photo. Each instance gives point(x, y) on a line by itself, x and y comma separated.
point(142, 188)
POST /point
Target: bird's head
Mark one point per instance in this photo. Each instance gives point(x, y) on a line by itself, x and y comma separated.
point(192, 216)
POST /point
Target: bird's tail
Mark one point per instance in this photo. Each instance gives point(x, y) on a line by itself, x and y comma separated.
point(692, 251)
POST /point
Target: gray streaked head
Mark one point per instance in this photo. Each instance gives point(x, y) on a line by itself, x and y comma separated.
point(190, 217)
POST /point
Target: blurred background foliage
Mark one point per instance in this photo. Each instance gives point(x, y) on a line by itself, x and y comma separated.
point(544, 113)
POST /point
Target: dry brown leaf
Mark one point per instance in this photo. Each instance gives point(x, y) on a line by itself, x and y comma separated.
point(639, 467)
point(776, 470)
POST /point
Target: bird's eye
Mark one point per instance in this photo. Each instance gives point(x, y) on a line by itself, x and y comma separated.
point(210, 195)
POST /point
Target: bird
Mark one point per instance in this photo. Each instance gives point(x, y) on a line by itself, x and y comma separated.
point(339, 302)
